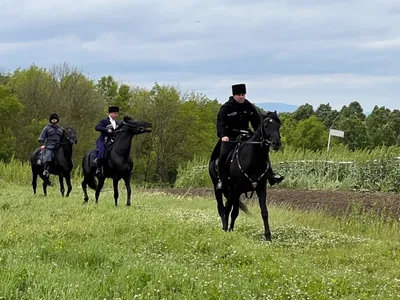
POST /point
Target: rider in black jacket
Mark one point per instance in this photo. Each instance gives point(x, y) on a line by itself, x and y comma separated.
point(234, 116)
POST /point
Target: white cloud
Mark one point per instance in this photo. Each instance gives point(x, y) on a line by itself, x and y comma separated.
point(383, 44)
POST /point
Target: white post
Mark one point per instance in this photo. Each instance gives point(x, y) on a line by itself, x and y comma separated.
point(329, 141)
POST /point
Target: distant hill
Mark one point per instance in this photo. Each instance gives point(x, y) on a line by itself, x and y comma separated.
point(279, 107)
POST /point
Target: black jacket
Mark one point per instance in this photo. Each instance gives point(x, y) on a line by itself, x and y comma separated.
point(234, 115)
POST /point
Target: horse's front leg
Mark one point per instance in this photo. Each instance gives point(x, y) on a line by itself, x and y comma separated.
point(127, 181)
point(262, 199)
point(68, 180)
point(61, 180)
point(116, 194)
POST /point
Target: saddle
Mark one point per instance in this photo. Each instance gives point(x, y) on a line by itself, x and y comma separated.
point(240, 138)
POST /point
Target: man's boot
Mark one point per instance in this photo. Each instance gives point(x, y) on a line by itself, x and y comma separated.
point(219, 184)
point(99, 171)
point(274, 178)
point(46, 169)
point(220, 176)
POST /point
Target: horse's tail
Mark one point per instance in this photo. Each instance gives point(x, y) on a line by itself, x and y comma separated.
point(243, 207)
point(88, 175)
point(91, 181)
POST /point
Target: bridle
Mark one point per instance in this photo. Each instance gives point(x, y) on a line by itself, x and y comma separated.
point(69, 139)
point(139, 128)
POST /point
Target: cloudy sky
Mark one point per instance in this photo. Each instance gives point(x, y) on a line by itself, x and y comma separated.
point(289, 51)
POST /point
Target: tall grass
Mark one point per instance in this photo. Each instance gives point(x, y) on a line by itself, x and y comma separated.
point(18, 171)
point(194, 174)
point(340, 169)
point(335, 153)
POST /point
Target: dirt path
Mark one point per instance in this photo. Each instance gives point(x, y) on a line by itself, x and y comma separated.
point(332, 202)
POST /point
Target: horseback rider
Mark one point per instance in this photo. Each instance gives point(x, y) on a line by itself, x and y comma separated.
point(233, 119)
point(50, 138)
point(106, 127)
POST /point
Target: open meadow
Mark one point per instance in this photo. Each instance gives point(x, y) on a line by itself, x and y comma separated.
point(172, 247)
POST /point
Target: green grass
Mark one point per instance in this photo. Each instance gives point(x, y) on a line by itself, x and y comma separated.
point(166, 247)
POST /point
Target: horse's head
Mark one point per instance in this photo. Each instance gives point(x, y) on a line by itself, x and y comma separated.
point(70, 135)
point(136, 127)
point(270, 129)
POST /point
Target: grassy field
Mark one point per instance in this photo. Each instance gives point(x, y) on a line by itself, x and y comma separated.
point(166, 247)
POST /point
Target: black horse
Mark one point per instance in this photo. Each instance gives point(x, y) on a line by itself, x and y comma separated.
point(119, 164)
point(61, 164)
point(246, 171)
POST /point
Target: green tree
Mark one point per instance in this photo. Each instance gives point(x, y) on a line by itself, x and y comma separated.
point(123, 98)
point(394, 123)
point(79, 104)
point(355, 133)
point(303, 112)
point(4, 78)
point(351, 120)
point(108, 88)
point(310, 134)
point(10, 108)
point(326, 115)
point(288, 128)
point(353, 110)
point(381, 131)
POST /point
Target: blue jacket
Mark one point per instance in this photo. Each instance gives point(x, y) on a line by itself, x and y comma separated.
point(51, 134)
point(103, 126)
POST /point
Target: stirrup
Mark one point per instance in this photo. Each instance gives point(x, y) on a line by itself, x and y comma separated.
point(46, 173)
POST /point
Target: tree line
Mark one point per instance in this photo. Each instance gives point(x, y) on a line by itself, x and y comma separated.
point(184, 123)
point(308, 128)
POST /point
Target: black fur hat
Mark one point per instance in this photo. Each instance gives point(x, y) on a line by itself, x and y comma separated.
point(112, 109)
point(53, 116)
point(238, 89)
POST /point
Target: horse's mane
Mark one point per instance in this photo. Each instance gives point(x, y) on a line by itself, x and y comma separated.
point(127, 118)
